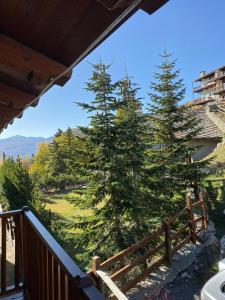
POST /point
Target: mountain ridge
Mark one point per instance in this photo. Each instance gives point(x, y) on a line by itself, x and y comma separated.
point(19, 145)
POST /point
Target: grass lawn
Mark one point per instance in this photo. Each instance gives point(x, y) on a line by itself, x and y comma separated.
point(59, 204)
point(218, 155)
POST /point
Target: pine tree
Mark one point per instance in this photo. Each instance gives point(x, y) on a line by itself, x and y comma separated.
point(130, 128)
point(58, 133)
point(103, 227)
point(115, 171)
point(173, 127)
point(16, 186)
point(56, 163)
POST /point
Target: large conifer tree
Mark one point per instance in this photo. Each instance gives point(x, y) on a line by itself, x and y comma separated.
point(131, 129)
point(173, 127)
point(114, 171)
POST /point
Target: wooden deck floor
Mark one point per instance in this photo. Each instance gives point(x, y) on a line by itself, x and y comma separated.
point(17, 296)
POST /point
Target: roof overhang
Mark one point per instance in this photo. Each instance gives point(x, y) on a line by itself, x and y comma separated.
point(41, 42)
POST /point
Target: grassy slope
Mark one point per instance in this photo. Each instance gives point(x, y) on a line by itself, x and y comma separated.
point(216, 203)
point(58, 203)
point(218, 155)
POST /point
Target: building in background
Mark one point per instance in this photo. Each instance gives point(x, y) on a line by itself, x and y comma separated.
point(210, 86)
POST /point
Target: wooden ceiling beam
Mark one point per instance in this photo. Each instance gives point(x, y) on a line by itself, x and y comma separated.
point(7, 113)
point(151, 6)
point(24, 63)
point(14, 98)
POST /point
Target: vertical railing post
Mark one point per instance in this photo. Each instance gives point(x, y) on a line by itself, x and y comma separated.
point(95, 266)
point(204, 209)
point(168, 246)
point(25, 252)
point(191, 223)
point(17, 250)
point(3, 258)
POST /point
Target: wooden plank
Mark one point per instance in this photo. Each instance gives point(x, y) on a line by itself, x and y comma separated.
point(7, 112)
point(204, 209)
point(62, 284)
point(29, 64)
point(179, 232)
point(25, 240)
point(44, 270)
point(151, 6)
point(3, 256)
point(176, 216)
point(50, 276)
point(168, 249)
point(143, 275)
point(196, 220)
point(17, 250)
point(132, 248)
point(55, 279)
point(63, 259)
point(111, 285)
point(138, 261)
point(196, 204)
point(14, 97)
point(192, 225)
point(11, 213)
point(181, 244)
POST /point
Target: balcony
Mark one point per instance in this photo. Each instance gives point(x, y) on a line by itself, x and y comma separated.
point(220, 89)
point(41, 269)
point(210, 82)
point(203, 86)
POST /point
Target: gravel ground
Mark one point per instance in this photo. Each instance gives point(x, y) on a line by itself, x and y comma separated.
point(189, 283)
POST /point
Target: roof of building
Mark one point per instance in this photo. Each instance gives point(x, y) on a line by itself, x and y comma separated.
point(209, 130)
point(41, 41)
point(209, 73)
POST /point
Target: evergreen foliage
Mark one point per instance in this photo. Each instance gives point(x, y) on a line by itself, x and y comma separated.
point(16, 188)
point(114, 173)
point(173, 127)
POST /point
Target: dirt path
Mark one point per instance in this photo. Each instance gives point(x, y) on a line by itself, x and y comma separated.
point(189, 283)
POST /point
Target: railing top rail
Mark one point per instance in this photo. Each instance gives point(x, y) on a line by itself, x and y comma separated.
point(111, 285)
point(132, 248)
point(64, 260)
point(62, 257)
point(11, 213)
point(177, 215)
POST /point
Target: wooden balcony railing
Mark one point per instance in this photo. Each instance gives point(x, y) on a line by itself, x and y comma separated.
point(133, 264)
point(39, 267)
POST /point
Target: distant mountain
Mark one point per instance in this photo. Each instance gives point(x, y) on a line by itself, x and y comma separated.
point(25, 146)
point(21, 145)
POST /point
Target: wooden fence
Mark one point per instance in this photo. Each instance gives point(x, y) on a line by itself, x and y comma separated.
point(41, 268)
point(134, 263)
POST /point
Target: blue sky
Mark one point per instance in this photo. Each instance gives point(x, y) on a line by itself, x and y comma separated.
point(193, 29)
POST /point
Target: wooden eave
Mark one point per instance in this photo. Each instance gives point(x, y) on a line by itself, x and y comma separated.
point(41, 41)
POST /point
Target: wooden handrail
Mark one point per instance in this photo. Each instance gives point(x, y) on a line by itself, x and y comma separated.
point(177, 215)
point(111, 285)
point(62, 257)
point(196, 220)
point(136, 262)
point(196, 204)
point(179, 232)
point(45, 269)
point(141, 276)
point(132, 248)
point(77, 278)
point(170, 238)
point(11, 213)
